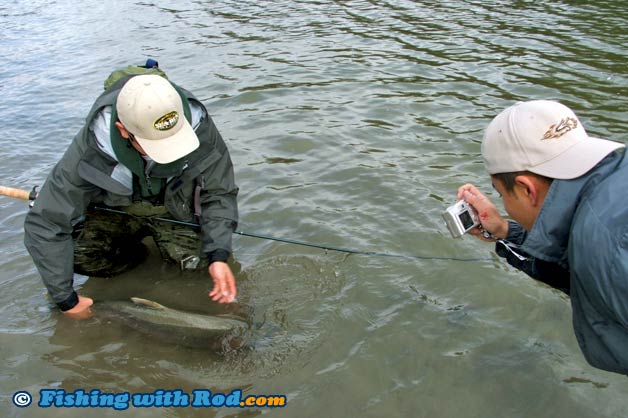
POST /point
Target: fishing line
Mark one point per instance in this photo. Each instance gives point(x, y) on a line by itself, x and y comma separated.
point(25, 195)
point(308, 244)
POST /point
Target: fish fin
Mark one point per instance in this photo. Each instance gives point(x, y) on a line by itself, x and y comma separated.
point(148, 303)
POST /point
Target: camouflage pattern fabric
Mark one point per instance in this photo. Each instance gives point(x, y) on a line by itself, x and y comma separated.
point(107, 244)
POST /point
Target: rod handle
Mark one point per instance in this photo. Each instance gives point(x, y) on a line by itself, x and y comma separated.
point(17, 193)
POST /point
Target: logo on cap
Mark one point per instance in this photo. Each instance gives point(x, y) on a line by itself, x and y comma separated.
point(557, 130)
point(167, 121)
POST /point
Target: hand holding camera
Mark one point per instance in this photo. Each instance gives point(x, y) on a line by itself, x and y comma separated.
point(460, 218)
point(475, 214)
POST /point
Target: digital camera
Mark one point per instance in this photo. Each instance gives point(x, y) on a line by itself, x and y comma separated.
point(460, 218)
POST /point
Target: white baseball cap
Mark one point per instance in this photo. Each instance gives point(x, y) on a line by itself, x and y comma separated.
point(543, 137)
point(151, 109)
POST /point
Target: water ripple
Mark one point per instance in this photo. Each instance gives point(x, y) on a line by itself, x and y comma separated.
point(351, 123)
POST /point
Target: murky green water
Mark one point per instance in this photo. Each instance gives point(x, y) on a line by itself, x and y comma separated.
point(351, 124)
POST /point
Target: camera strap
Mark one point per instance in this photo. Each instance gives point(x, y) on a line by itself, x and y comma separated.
point(510, 247)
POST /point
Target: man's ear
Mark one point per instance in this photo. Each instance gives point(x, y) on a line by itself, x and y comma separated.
point(529, 188)
point(123, 132)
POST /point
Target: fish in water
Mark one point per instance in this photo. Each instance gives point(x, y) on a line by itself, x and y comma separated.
point(185, 328)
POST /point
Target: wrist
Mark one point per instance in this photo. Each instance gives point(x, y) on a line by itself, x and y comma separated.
point(502, 231)
point(69, 303)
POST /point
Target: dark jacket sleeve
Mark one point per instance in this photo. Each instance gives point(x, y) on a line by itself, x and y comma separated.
point(218, 199)
point(549, 273)
point(48, 226)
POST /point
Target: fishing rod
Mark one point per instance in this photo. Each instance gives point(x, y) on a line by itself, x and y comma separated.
point(32, 195)
point(18, 193)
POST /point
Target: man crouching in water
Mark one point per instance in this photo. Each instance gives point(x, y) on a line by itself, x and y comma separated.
point(148, 148)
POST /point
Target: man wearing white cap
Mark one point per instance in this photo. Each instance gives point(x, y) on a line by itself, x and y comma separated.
point(567, 195)
point(150, 149)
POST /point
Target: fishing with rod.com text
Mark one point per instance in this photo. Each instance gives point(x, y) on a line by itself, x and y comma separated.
point(160, 398)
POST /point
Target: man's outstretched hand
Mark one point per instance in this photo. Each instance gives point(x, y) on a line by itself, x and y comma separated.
point(224, 290)
point(82, 310)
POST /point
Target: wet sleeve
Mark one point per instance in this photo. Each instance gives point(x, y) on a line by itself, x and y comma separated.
point(219, 207)
point(549, 273)
point(49, 224)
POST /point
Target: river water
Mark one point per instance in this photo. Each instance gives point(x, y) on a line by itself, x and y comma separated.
point(351, 124)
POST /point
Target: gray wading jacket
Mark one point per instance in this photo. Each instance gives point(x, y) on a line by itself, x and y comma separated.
point(581, 234)
point(85, 175)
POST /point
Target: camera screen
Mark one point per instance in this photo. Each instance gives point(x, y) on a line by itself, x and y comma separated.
point(466, 219)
